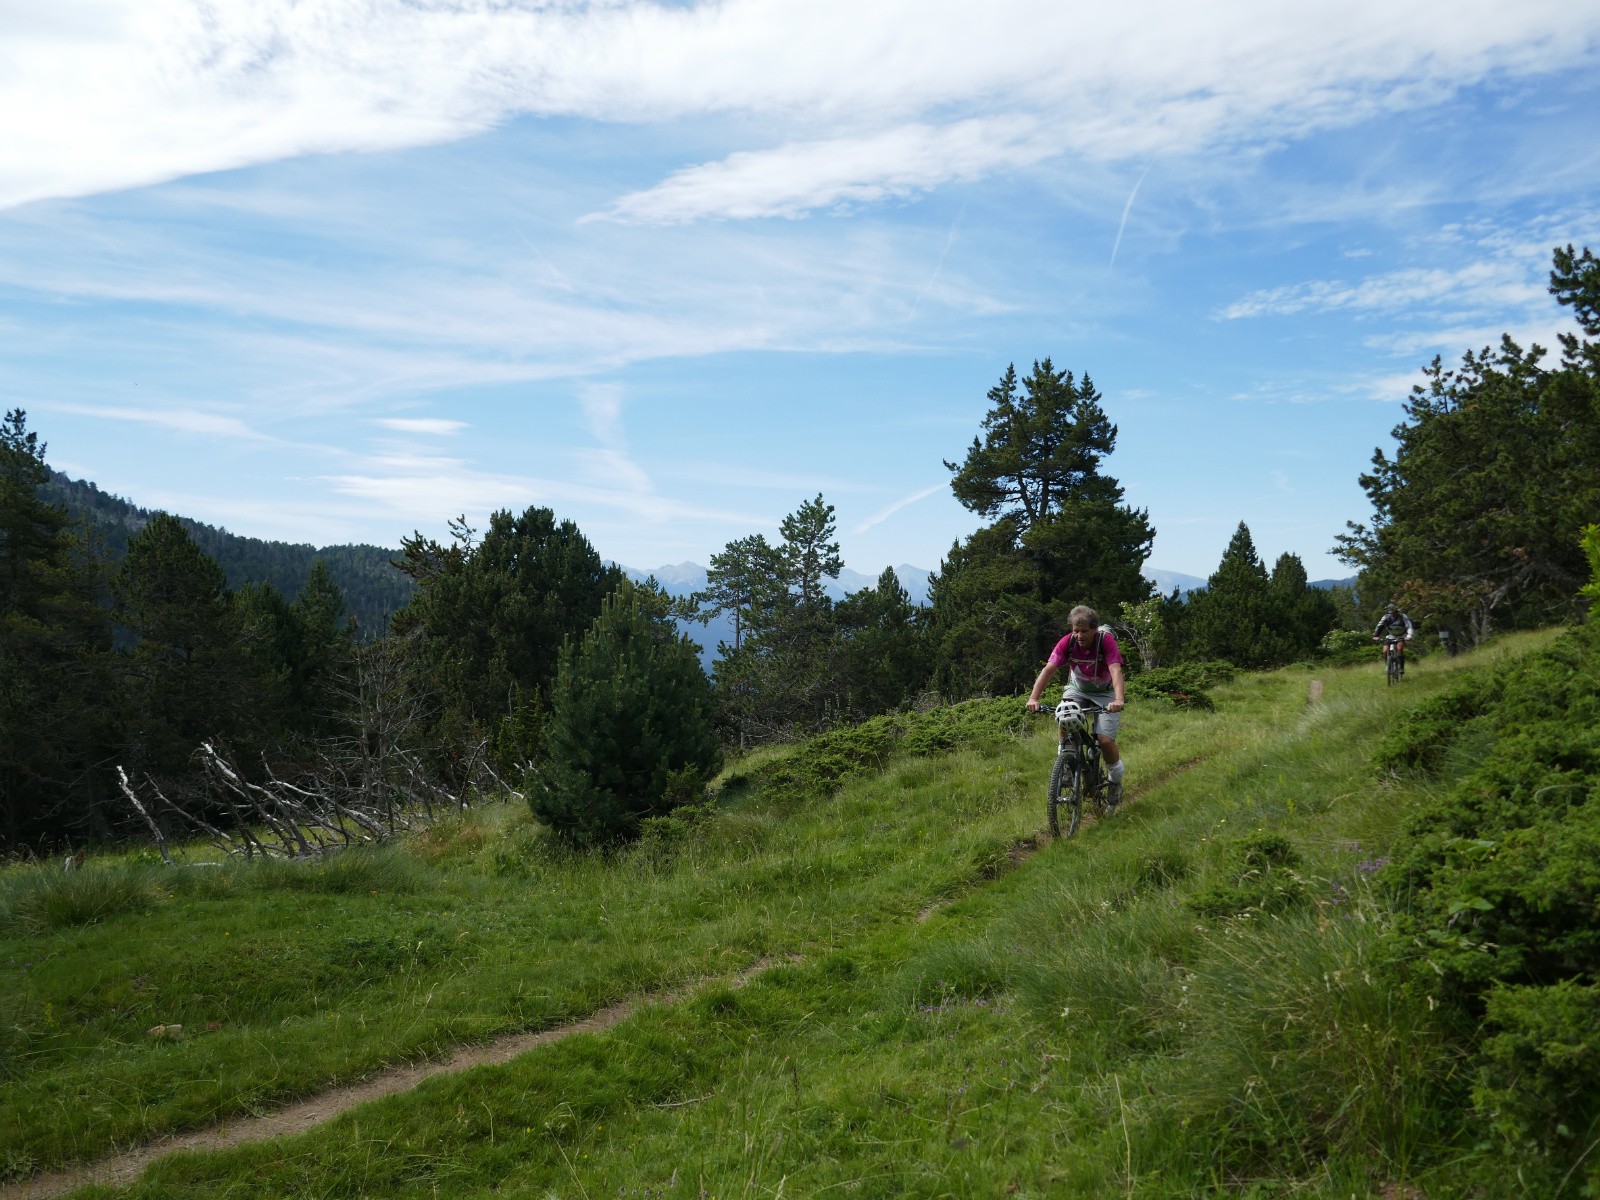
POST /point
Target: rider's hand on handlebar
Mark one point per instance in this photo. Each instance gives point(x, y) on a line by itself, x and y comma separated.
point(1033, 705)
point(1115, 706)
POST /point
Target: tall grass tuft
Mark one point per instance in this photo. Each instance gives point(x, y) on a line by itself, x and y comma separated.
point(385, 870)
point(1118, 971)
point(42, 899)
point(1299, 1047)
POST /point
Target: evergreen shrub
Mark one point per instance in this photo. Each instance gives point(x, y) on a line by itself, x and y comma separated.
point(1184, 685)
point(1345, 647)
point(820, 765)
point(631, 731)
point(1259, 876)
point(1419, 740)
point(1499, 895)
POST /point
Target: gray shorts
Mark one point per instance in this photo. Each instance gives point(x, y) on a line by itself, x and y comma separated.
point(1106, 724)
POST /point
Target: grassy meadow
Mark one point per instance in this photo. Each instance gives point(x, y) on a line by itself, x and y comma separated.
point(1176, 1003)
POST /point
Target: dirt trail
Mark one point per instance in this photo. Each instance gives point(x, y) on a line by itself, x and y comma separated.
point(306, 1114)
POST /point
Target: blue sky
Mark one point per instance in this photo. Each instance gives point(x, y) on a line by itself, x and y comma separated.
point(327, 271)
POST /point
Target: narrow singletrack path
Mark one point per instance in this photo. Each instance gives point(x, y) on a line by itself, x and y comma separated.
point(306, 1114)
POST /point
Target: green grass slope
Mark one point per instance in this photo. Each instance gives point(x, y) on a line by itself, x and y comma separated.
point(1185, 1000)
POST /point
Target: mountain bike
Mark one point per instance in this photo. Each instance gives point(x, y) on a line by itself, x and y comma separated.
point(1078, 774)
point(1394, 657)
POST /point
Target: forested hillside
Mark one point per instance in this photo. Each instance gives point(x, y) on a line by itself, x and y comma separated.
point(373, 588)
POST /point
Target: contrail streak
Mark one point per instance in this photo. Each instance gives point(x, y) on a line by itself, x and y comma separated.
point(1126, 209)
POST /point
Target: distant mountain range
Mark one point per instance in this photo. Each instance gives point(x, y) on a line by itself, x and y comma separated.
point(679, 579)
point(1165, 581)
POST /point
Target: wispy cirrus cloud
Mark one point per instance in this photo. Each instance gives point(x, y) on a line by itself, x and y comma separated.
point(426, 426)
point(110, 94)
point(179, 420)
point(794, 179)
point(421, 491)
point(1497, 282)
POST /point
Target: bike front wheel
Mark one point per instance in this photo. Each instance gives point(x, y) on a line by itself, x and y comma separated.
point(1065, 800)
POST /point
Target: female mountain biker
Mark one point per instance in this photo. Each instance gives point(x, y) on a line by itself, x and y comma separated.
point(1094, 676)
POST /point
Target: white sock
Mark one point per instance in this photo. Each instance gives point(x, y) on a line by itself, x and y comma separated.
point(1116, 771)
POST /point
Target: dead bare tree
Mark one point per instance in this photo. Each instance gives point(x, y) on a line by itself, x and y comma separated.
point(359, 786)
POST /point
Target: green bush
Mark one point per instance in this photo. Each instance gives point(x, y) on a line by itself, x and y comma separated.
point(1343, 647)
point(1259, 877)
point(1419, 739)
point(631, 731)
point(1539, 1076)
point(1183, 685)
point(818, 766)
point(1499, 890)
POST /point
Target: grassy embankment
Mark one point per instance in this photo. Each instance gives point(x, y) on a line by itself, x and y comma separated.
point(1077, 1024)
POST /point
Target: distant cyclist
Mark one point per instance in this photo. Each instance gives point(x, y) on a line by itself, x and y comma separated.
point(1094, 677)
point(1395, 626)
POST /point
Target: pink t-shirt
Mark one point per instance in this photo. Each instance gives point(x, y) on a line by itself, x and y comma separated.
point(1088, 670)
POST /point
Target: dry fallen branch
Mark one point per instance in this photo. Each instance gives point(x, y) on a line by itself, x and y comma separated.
point(359, 787)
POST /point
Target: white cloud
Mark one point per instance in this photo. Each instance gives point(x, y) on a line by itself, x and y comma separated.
point(182, 420)
point(1493, 283)
point(128, 92)
point(1497, 283)
point(794, 179)
point(421, 494)
point(426, 426)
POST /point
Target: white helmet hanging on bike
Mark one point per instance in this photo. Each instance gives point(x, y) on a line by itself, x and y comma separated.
point(1069, 711)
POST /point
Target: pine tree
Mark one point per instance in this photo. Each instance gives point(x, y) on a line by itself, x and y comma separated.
point(631, 729)
point(1232, 616)
point(1476, 515)
point(809, 555)
point(990, 621)
point(185, 680)
point(1061, 534)
point(791, 659)
point(1299, 613)
point(327, 640)
point(744, 580)
point(884, 663)
point(485, 628)
point(1037, 450)
point(55, 717)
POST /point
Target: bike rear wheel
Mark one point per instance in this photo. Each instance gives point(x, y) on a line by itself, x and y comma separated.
point(1065, 799)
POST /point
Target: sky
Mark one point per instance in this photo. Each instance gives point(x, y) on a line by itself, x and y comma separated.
point(340, 270)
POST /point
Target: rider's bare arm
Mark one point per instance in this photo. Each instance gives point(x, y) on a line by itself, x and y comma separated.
point(1121, 700)
point(1039, 684)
